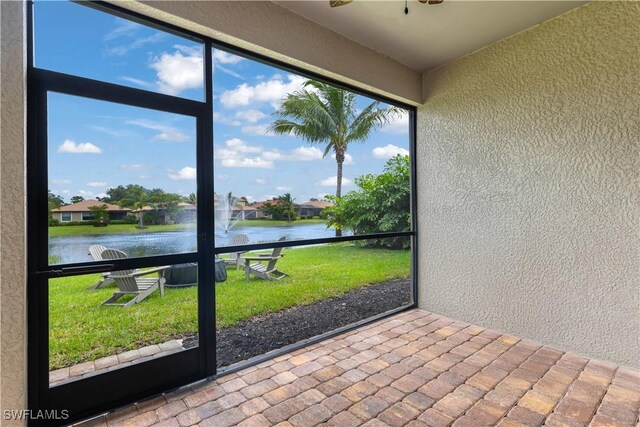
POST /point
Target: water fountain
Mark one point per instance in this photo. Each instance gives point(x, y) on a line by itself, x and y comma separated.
point(224, 218)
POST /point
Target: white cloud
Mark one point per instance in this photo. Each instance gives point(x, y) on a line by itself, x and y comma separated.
point(218, 117)
point(305, 154)
point(123, 28)
point(136, 82)
point(268, 196)
point(228, 71)
point(388, 151)
point(61, 181)
point(222, 177)
point(124, 49)
point(261, 181)
point(399, 124)
point(283, 188)
point(116, 133)
point(184, 173)
point(256, 130)
point(70, 146)
point(225, 57)
point(96, 184)
point(271, 91)
point(132, 167)
point(332, 182)
point(236, 153)
point(251, 116)
point(240, 146)
point(348, 158)
point(180, 70)
point(256, 162)
point(167, 133)
point(273, 155)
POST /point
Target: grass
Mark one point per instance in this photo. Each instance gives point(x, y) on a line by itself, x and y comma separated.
point(84, 230)
point(81, 329)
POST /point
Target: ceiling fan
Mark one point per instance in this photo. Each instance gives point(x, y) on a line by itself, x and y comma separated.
point(336, 3)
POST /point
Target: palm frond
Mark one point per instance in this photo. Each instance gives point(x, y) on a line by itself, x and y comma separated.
point(369, 119)
point(304, 114)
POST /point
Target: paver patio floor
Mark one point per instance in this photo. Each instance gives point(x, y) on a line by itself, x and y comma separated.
point(415, 369)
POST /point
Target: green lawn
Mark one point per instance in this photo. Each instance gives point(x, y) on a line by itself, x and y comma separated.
point(81, 329)
point(79, 230)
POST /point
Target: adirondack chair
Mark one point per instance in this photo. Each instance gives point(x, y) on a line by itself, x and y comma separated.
point(130, 282)
point(235, 258)
point(266, 271)
point(96, 252)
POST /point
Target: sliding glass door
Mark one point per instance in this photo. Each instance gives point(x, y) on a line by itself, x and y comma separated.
point(120, 181)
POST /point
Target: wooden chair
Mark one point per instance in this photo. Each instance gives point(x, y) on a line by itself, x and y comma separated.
point(235, 258)
point(266, 271)
point(96, 252)
point(130, 282)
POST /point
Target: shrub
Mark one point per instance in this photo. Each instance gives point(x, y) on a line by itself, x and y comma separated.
point(53, 222)
point(381, 204)
point(129, 219)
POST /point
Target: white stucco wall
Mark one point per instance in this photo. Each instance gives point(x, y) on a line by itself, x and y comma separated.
point(528, 184)
point(12, 209)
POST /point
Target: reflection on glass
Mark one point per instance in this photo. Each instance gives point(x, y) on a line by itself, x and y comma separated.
point(299, 292)
point(302, 158)
point(120, 177)
point(79, 40)
point(102, 322)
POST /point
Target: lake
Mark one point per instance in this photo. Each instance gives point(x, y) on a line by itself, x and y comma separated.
point(72, 249)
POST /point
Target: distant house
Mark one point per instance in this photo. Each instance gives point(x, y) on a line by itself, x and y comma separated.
point(254, 211)
point(186, 212)
point(313, 208)
point(241, 209)
point(80, 211)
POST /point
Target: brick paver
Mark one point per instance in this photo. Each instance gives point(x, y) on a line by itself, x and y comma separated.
point(414, 369)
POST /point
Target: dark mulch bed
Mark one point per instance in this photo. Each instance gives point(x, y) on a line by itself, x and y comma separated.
point(262, 334)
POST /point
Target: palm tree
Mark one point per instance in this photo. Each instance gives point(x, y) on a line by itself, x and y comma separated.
point(137, 199)
point(323, 114)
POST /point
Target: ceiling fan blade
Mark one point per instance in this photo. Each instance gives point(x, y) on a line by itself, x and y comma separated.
point(423, 1)
point(434, 1)
point(336, 3)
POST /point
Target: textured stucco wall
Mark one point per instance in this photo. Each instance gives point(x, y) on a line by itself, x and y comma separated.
point(528, 184)
point(12, 209)
point(266, 28)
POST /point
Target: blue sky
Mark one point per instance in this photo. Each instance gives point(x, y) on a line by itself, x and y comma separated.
point(95, 145)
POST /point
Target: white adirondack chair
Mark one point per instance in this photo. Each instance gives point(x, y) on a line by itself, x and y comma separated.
point(235, 258)
point(254, 264)
point(130, 282)
point(96, 252)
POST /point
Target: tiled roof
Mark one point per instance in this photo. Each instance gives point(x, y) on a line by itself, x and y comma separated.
point(317, 204)
point(84, 206)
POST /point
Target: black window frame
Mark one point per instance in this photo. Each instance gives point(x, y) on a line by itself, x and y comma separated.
point(39, 83)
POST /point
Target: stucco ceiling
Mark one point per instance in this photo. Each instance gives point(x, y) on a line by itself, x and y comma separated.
point(429, 35)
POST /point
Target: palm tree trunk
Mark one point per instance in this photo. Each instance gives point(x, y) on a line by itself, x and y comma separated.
point(339, 161)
